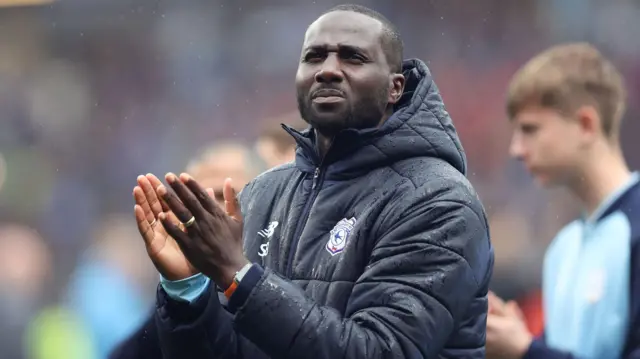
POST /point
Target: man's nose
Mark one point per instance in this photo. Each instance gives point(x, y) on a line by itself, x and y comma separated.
point(516, 149)
point(330, 70)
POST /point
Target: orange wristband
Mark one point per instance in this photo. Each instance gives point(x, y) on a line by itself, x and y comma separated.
point(232, 288)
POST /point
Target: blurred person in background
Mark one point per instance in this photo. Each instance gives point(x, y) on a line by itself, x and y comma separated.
point(567, 105)
point(107, 290)
point(225, 159)
point(32, 326)
point(274, 145)
point(380, 176)
point(57, 332)
point(25, 269)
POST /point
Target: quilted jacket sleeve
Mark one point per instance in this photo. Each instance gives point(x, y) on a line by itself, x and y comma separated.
point(203, 329)
point(143, 344)
point(424, 272)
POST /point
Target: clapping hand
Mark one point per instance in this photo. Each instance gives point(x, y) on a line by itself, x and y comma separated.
point(211, 239)
point(507, 333)
point(163, 250)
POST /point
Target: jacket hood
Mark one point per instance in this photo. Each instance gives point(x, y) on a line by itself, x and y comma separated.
point(419, 127)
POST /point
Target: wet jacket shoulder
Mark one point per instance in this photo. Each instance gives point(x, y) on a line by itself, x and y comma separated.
point(378, 250)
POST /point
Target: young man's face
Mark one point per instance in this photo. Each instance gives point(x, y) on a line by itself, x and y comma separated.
point(549, 145)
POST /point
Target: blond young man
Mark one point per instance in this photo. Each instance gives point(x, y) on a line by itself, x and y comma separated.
point(566, 105)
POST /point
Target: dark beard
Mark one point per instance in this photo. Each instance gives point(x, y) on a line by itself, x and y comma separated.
point(367, 112)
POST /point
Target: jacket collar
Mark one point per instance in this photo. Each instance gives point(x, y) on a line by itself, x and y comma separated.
point(419, 127)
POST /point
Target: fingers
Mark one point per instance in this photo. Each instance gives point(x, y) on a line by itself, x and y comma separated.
point(141, 201)
point(172, 218)
point(150, 195)
point(232, 207)
point(494, 322)
point(496, 305)
point(192, 201)
point(493, 298)
point(155, 183)
point(144, 225)
point(513, 309)
point(174, 203)
point(204, 199)
point(175, 232)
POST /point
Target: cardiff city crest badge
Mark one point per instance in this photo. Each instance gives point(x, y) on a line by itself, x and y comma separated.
point(340, 235)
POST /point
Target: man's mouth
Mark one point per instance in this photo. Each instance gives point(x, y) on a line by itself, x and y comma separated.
point(328, 99)
point(326, 96)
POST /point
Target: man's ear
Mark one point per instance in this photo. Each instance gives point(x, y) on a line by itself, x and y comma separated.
point(396, 87)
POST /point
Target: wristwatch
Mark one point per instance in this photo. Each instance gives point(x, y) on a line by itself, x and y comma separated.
point(240, 274)
point(236, 280)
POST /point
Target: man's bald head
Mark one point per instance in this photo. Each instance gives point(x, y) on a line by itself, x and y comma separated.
point(390, 37)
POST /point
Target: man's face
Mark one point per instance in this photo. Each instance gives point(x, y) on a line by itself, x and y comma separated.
point(343, 80)
point(548, 144)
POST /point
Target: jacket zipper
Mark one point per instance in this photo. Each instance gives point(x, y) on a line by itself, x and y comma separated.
point(316, 184)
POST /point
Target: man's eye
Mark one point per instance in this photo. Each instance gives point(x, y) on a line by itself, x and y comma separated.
point(312, 56)
point(353, 57)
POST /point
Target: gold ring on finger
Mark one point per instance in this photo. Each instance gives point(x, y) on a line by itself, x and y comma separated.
point(190, 222)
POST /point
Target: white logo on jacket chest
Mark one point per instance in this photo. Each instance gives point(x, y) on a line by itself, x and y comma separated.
point(340, 235)
point(267, 233)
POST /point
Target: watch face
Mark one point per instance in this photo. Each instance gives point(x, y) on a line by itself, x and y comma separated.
point(240, 274)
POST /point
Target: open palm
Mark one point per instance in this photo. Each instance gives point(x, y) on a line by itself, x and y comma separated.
point(162, 249)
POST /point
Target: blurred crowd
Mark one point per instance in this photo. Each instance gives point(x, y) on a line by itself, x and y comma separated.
point(94, 93)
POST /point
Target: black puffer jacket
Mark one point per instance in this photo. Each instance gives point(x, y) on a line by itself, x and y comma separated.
point(381, 250)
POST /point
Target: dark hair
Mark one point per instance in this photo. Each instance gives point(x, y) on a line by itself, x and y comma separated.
point(391, 41)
